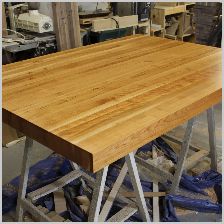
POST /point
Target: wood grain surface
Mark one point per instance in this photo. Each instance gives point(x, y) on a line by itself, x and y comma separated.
point(95, 104)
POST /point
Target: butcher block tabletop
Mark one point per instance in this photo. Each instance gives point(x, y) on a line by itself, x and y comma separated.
point(96, 104)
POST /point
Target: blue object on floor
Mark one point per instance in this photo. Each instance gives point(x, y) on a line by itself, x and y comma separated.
point(169, 213)
point(197, 183)
point(207, 179)
point(71, 191)
point(47, 202)
point(194, 204)
point(42, 173)
point(55, 166)
point(186, 182)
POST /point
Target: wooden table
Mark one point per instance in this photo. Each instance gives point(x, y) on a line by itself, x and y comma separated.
point(99, 103)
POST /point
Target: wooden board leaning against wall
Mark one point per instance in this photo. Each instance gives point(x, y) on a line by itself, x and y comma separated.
point(66, 24)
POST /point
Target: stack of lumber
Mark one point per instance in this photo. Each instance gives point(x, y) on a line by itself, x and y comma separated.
point(173, 4)
point(86, 18)
point(205, 18)
point(114, 23)
point(170, 4)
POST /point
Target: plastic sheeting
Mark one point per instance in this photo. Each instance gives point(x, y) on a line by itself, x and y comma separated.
point(198, 183)
point(199, 205)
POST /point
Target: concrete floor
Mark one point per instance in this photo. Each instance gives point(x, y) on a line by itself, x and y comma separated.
point(12, 157)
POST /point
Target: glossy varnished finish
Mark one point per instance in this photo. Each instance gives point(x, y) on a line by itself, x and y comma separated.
point(96, 104)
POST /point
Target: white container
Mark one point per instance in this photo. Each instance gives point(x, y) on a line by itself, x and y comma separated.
point(35, 22)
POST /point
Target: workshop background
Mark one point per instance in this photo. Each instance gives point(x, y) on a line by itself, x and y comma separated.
point(34, 29)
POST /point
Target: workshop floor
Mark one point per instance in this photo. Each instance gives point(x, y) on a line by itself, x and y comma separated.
point(12, 157)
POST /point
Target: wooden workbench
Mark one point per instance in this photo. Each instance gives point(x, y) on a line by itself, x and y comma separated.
point(98, 103)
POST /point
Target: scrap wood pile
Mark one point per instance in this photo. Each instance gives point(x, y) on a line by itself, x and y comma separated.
point(73, 202)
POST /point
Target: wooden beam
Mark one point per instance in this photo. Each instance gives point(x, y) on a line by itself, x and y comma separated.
point(88, 21)
point(146, 194)
point(124, 213)
point(155, 187)
point(113, 22)
point(179, 142)
point(58, 184)
point(192, 160)
point(66, 25)
point(4, 24)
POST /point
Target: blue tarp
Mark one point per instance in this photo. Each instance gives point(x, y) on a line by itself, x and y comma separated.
point(198, 183)
point(44, 172)
point(56, 166)
point(187, 203)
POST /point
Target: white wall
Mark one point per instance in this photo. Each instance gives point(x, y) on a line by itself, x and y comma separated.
point(91, 6)
point(45, 8)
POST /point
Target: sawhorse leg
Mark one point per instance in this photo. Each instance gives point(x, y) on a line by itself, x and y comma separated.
point(133, 173)
point(185, 147)
point(97, 195)
point(182, 157)
point(75, 166)
point(113, 193)
point(24, 178)
point(100, 183)
point(212, 140)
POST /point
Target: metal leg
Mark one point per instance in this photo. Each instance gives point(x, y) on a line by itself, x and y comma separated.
point(133, 173)
point(112, 195)
point(75, 166)
point(155, 187)
point(212, 140)
point(24, 178)
point(125, 213)
point(182, 157)
point(97, 195)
